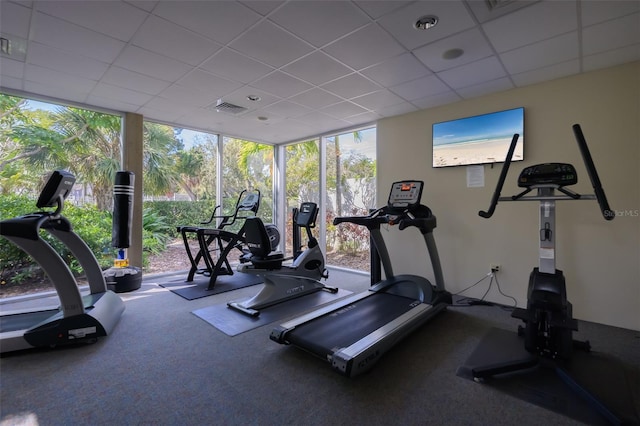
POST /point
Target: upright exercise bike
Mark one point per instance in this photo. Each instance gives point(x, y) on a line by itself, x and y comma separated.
point(282, 282)
point(548, 318)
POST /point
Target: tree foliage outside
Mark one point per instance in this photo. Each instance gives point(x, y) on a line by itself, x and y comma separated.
point(179, 180)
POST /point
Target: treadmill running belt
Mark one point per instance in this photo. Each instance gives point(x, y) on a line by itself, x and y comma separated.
point(25, 320)
point(345, 326)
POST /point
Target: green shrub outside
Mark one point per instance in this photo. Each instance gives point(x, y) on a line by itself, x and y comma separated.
point(160, 219)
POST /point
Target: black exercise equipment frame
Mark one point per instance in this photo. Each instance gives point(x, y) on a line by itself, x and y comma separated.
point(548, 318)
point(224, 241)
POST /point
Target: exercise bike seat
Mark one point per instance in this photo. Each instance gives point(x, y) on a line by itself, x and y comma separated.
point(260, 246)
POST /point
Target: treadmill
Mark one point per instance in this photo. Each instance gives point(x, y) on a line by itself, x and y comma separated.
point(78, 318)
point(354, 332)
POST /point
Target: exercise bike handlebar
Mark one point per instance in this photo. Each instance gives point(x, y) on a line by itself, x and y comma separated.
point(593, 174)
point(503, 175)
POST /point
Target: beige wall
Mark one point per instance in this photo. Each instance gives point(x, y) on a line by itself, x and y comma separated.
point(600, 259)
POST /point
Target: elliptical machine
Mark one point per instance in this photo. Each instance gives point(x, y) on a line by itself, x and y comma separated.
point(548, 318)
point(282, 282)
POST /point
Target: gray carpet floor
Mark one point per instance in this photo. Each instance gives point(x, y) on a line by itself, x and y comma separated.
point(165, 366)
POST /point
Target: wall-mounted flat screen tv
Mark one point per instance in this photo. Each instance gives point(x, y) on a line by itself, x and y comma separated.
point(481, 139)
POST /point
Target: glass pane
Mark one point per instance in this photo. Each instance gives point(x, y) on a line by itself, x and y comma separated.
point(303, 175)
point(248, 165)
point(179, 190)
point(351, 191)
point(37, 138)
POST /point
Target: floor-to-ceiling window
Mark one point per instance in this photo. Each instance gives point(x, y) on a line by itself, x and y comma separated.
point(248, 165)
point(350, 191)
point(37, 138)
point(180, 189)
point(302, 183)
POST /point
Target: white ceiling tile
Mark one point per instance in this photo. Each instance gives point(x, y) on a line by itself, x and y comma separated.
point(380, 99)
point(367, 117)
point(351, 86)
point(498, 85)
point(11, 82)
point(168, 39)
point(144, 62)
point(485, 11)
point(452, 14)
point(319, 22)
point(202, 81)
point(524, 26)
point(437, 100)
point(221, 21)
point(474, 73)
point(118, 93)
point(287, 109)
point(321, 120)
point(147, 5)
point(110, 103)
point(376, 8)
point(594, 12)
point(66, 94)
point(270, 44)
point(189, 96)
point(472, 42)
point(612, 34)
point(420, 88)
point(542, 54)
point(237, 67)
point(343, 110)
point(397, 70)
point(317, 68)
point(316, 98)
point(113, 18)
point(281, 84)
point(14, 19)
point(72, 38)
point(11, 68)
point(611, 58)
point(263, 7)
point(547, 73)
point(365, 47)
point(134, 81)
point(59, 79)
point(159, 103)
point(50, 57)
point(398, 109)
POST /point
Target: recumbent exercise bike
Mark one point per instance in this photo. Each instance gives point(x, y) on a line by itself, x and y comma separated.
point(282, 282)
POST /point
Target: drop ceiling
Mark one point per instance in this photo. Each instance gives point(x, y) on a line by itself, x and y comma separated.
point(311, 67)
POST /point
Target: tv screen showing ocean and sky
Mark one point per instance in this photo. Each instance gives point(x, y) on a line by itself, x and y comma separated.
point(480, 139)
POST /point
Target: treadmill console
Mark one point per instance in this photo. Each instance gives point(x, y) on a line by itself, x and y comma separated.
point(58, 186)
point(405, 194)
point(560, 174)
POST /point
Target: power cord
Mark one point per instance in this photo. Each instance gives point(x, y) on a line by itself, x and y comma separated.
point(467, 301)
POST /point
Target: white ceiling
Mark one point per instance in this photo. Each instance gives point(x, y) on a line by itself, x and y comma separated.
point(317, 66)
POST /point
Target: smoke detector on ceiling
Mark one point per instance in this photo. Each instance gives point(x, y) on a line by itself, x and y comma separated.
point(229, 108)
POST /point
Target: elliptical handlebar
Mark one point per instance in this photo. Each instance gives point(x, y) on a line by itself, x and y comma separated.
point(503, 175)
point(593, 174)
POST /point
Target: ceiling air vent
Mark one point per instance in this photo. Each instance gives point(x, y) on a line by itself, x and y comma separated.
point(229, 108)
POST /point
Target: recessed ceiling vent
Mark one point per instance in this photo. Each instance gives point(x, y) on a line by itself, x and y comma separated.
point(229, 108)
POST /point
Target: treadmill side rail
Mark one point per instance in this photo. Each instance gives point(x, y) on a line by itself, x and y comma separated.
point(362, 355)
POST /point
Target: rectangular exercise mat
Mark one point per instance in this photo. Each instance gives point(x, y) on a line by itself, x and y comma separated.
point(197, 288)
point(232, 322)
